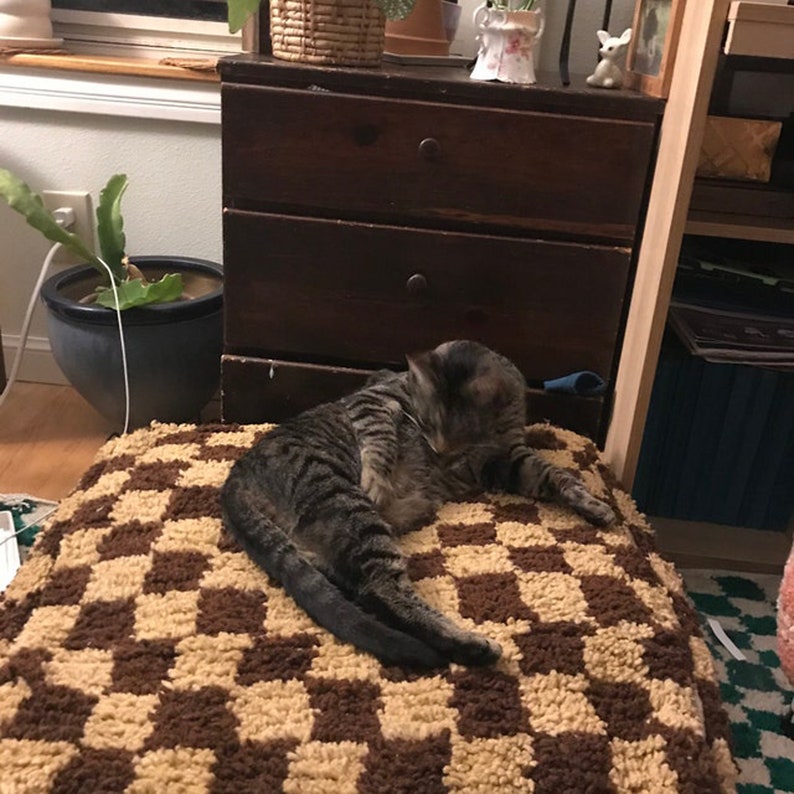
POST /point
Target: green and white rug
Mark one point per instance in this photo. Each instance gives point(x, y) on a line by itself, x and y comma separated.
point(754, 690)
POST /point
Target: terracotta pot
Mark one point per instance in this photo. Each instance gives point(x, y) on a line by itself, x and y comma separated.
point(422, 32)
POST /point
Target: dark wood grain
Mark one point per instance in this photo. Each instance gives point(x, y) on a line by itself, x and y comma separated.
point(434, 164)
point(340, 291)
point(445, 84)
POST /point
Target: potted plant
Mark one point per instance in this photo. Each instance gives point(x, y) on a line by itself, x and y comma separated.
point(339, 32)
point(170, 309)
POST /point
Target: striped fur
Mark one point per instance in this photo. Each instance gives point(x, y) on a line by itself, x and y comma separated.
point(319, 501)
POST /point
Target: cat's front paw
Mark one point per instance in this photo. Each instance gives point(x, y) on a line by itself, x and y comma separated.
point(596, 511)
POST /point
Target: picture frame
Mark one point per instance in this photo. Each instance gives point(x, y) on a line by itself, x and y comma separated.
point(652, 49)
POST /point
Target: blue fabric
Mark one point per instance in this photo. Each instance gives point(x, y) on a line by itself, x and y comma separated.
point(585, 384)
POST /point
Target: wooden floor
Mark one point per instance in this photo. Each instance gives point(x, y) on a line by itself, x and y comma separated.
point(49, 436)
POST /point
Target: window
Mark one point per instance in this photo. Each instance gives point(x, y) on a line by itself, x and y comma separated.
point(152, 29)
point(211, 10)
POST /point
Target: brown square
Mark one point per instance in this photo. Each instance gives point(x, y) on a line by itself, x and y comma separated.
point(536, 559)
point(194, 718)
point(406, 767)
point(425, 565)
point(488, 702)
point(102, 624)
point(668, 655)
point(140, 667)
point(175, 570)
point(277, 659)
point(635, 563)
point(625, 708)
point(118, 463)
point(129, 540)
point(108, 771)
point(51, 714)
point(66, 586)
point(611, 601)
point(571, 762)
point(492, 596)
point(467, 534)
point(93, 513)
point(195, 501)
point(552, 646)
point(14, 616)
point(518, 512)
point(693, 762)
point(344, 710)
point(252, 767)
point(228, 609)
point(157, 476)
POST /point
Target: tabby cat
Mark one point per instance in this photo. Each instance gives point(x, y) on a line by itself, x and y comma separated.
point(319, 502)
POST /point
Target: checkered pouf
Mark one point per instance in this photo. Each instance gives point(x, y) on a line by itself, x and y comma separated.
point(755, 691)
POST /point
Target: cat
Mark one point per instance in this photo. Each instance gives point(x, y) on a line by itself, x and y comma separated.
point(319, 501)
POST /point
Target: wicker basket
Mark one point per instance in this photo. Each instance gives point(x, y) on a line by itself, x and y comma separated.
point(341, 32)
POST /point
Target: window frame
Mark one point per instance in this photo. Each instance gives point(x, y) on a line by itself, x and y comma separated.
point(139, 36)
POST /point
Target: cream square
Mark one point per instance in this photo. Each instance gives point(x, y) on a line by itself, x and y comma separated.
point(204, 660)
point(120, 720)
point(640, 767)
point(171, 615)
point(415, 710)
point(554, 596)
point(615, 654)
point(273, 710)
point(118, 578)
point(325, 768)
point(557, 703)
point(89, 670)
point(183, 770)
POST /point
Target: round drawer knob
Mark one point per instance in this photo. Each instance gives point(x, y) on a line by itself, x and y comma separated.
point(416, 284)
point(430, 149)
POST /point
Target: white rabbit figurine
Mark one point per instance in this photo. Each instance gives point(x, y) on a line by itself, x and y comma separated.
point(607, 73)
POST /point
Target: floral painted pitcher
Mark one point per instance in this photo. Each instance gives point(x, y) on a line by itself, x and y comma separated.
point(506, 42)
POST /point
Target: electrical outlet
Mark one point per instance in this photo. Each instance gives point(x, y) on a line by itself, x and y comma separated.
point(83, 227)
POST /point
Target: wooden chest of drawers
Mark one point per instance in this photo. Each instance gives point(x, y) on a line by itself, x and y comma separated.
point(371, 213)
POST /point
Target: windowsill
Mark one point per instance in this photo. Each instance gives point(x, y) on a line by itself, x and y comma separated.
point(175, 68)
point(109, 85)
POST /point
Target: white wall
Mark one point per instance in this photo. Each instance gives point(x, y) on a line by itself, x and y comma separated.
point(173, 203)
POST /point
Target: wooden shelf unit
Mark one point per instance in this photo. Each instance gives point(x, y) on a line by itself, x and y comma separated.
point(755, 34)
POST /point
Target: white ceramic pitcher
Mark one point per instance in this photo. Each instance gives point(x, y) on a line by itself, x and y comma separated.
point(507, 39)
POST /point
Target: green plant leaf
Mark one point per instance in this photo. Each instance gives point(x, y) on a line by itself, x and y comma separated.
point(23, 200)
point(239, 11)
point(137, 292)
point(110, 224)
point(395, 9)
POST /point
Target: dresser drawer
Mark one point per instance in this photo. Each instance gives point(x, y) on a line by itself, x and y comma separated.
point(365, 295)
point(324, 153)
point(265, 390)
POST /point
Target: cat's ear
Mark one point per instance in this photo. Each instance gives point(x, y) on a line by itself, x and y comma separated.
point(420, 365)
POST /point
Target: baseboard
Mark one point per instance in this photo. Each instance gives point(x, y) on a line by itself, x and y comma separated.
point(38, 364)
point(693, 544)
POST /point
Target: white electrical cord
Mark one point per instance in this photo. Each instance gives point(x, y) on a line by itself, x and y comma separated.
point(26, 327)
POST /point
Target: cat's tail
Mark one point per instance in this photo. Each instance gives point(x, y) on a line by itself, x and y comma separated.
point(275, 553)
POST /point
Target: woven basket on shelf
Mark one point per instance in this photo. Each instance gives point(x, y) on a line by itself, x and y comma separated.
point(342, 32)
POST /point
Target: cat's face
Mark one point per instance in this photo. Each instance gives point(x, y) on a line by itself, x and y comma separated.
point(459, 392)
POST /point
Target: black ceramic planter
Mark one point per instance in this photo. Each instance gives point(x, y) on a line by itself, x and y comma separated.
point(173, 349)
